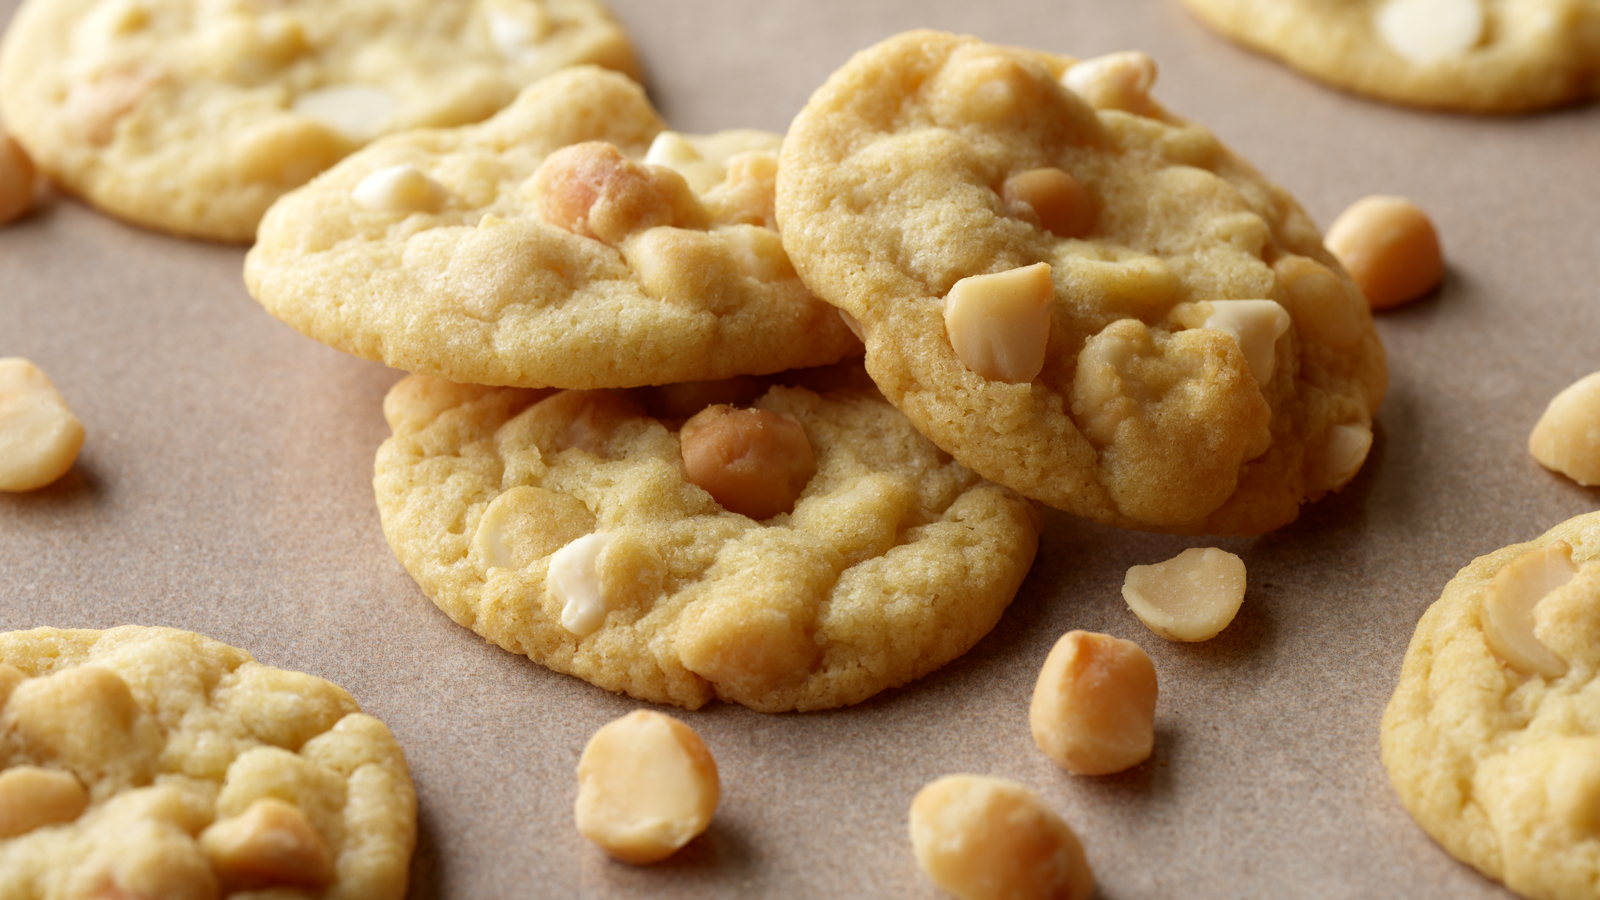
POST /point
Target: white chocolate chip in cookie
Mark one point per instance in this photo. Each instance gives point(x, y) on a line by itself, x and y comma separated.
point(999, 324)
point(401, 189)
point(1256, 325)
point(1094, 705)
point(1566, 438)
point(1115, 81)
point(516, 29)
point(271, 844)
point(574, 579)
point(31, 797)
point(671, 150)
point(647, 785)
point(984, 838)
point(1428, 31)
point(357, 111)
point(1191, 597)
point(39, 436)
point(1508, 607)
point(1346, 450)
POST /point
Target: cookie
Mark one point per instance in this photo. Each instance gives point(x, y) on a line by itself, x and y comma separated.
point(564, 526)
point(193, 117)
point(546, 248)
point(1492, 738)
point(151, 762)
point(1163, 343)
point(1482, 56)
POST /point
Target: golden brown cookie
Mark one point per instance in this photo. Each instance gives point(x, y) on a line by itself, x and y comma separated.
point(568, 242)
point(564, 526)
point(156, 763)
point(1164, 342)
point(1484, 56)
point(1492, 738)
point(192, 117)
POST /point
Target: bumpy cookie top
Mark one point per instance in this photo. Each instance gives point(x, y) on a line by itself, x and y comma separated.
point(158, 764)
point(192, 116)
point(1492, 738)
point(1470, 55)
point(565, 526)
point(1188, 358)
point(537, 250)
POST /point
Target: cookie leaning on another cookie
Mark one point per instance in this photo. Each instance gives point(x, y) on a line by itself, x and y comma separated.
point(1484, 56)
point(548, 248)
point(1492, 737)
point(156, 763)
point(193, 117)
point(563, 526)
point(1163, 342)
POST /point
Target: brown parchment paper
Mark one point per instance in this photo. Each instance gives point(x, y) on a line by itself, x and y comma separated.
point(226, 488)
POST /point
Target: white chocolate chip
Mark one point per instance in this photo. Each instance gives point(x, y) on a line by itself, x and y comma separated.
point(1191, 597)
point(516, 34)
point(1347, 449)
point(1509, 602)
point(574, 579)
point(1428, 31)
point(671, 150)
point(402, 188)
point(999, 324)
point(357, 111)
point(39, 436)
point(647, 785)
point(1567, 436)
point(1256, 325)
point(1114, 81)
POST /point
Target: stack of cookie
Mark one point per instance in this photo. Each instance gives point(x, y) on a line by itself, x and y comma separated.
point(1060, 285)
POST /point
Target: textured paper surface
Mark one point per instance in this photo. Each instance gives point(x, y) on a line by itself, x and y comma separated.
point(226, 487)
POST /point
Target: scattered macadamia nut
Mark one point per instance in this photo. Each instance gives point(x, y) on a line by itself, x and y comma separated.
point(752, 461)
point(1094, 706)
point(647, 785)
point(271, 844)
point(16, 180)
point(1191, 597)
point(999, 324)
point(986, 838)
point(31, 797)
point(39, 436)
point(1389, 247)
point(1566, 438)
point(1509, 603)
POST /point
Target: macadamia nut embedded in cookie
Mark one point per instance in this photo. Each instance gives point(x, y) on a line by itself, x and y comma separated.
point(984, 838)
point(39, 435)
point(647, 785)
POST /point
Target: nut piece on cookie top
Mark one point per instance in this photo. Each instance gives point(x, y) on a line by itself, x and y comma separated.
point(1207, 366)
point(570, 241)
point(156, 763)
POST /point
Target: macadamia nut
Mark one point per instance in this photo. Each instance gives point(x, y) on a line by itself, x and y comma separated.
point(357, 111)
point(753, 462)
point(992, 839)
point(39, 436)
point(647, 785)
point(999, 324)
point(1094, 706)
point(1191, 597)
point(1390, 249)
point(1120, 81)
point(1566, 438)
point(1509, 602)
point(271, 844)
point(31, 797)
point(1053, 198)
point(592, 190)
point(16, 180)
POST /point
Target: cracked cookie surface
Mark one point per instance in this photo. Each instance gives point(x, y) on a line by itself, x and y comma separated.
point(193, 116)
point(546, 248)
point(152, 762)
point(1485, 56)
point(1161, 403)
point(893, 560)
point(1492, 737)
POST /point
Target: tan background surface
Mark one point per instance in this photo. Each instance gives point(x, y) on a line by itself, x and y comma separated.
point(225, 487)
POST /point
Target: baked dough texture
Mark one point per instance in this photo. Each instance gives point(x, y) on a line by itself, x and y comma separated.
point(890, 192)
point(1500, 766)
point(193, 116)
point(690, 282)
point(1527, 55)
point(178, 739)
point(894, 560)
